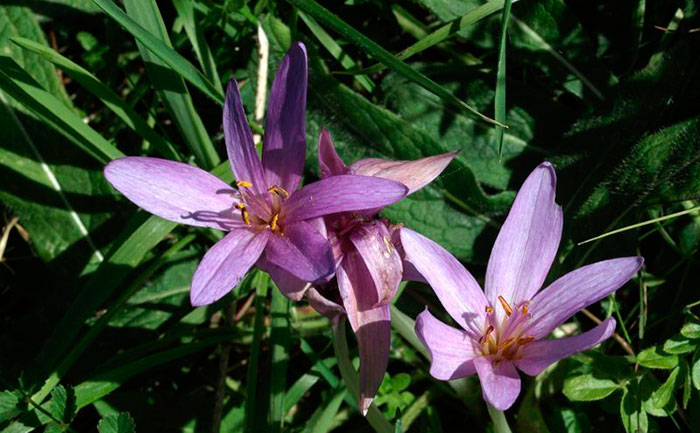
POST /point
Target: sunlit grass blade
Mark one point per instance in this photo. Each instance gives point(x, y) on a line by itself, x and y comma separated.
point(18, 84)
point(642, 224)
point(500, 94)
point(253, 413)
point(104, 93)
point(324, 16)
point(279, 350)
point(336, 50)
point(185, 11)
point(178, 63)
point(170, 86)
point(322, 419)
point(441, 34)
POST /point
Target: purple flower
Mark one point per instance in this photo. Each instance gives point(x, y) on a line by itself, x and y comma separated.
point(504, 327)
point(369, 266)
point(269, 220)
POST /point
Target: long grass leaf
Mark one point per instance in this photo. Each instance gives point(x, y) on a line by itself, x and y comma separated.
point(279, 350)
point(18, 84)
point(170, 85)
point(324, 16)
point(104, 93)
point(322, 419)
point(500, 94)
point(252, 410)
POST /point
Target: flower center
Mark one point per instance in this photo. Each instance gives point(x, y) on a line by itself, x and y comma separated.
point(261, 211)
point(504, 340)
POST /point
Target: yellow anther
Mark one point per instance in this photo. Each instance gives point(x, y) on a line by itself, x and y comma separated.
point(244, 213)
point(524, 340)
point(278, 190)
point(240, 206)
point(524, 310)
point(505, 305)
point(506, 344)
point(243, 183)
point(273, 224)
point(485, 337)
point(489, 310)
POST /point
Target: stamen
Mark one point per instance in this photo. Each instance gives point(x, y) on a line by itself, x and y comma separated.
point(505, 344)
point(524, 310)
point(244, 213)
point(505, 305)
point(524, 340)
point(243, 183)
point(273, 224)
point(489, 310)
point(278, 190)
point(485, 337)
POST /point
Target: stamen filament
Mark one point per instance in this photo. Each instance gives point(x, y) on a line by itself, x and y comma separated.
point(485, 337)
point(273, 224)
point(505, 305)
point(524, 340)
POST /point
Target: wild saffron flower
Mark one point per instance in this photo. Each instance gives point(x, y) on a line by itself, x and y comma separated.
point(270, 221)
point(504, 328)
point(369, 267)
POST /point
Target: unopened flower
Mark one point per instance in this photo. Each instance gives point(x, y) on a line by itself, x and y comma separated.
point(369, 266)
point(505, 326)
point(270, 221)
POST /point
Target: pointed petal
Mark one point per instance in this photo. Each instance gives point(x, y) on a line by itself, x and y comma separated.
point(451, 350)
point(414, 174)
point(225, 264)
point(500, 383)
point(175, 191)
point(301, 251)
point(577, 290)
point(457, 290)
point(342, 194)
point(373, 242)
point(374, 342)
point(356, 287)
point(527, 243)
point(539, 355)
point(285, 124)
point(324, 305)
point(328, 160)
point(244, 159)
point(290, 286)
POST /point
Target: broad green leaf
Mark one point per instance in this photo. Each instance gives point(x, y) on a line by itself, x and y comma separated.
point(695, 370)
point(679, 344)
point(168, 82)
point(654, 357)
point(691, 330)
point(634, 418)
point(106, 95)
point(62, 404)
point(9, 405)
point(588, 388)
point(658, 398)
point(80, 5)
point(332, 21)
point(121, 423)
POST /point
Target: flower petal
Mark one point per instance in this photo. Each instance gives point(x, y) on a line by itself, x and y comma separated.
point(345, 193)
point(374, 343)
point(328, 160)
point(241, 151)
point(225, 264)
point(500, 383)
point(457, 290)
point(356, 287)
point(175, 191)
point(324, 305)
point(414, 174)
point(373, 242)
point(301, 251)
point(284, 146)
point(578, 289)
point(539, 355)
point(527, 243)
point(451, 350)
point(290, 286)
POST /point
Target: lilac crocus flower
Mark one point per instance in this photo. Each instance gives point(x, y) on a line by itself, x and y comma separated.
point(369, 266)
point(504, 327)
point(269, 220)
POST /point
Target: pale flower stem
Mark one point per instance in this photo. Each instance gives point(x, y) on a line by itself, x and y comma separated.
point(499, 420)
point(261, 90)
point(352, 381)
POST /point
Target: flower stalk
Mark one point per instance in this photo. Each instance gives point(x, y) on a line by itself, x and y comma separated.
point(500, 423)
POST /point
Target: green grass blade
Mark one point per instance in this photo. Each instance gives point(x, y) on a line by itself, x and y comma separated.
point(336, 50)
point(279, 343)
point(104, 93)
point(500, 97)
point(170, 86)
point(161, 49)
point(441, 34)
point(252, 411)
point(322, 419)
point(185, 10)
point(18, 84)
point(324, 16)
